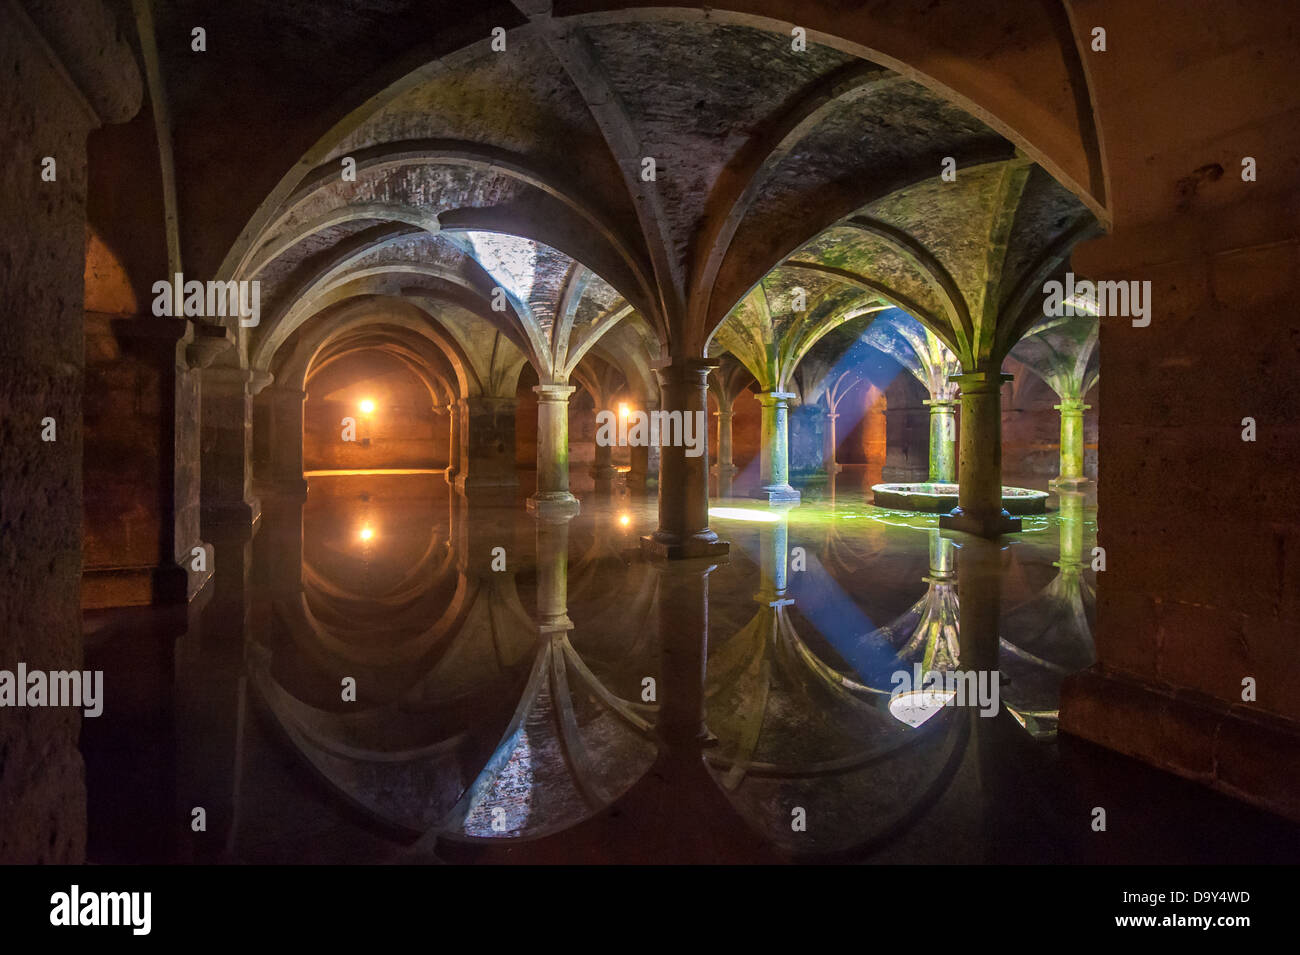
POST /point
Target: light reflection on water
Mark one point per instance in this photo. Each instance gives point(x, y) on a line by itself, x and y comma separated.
point(512, 683)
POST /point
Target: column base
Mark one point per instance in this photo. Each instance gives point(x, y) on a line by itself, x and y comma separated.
point(777, 494)
point(672, 547)
point(1232, 748)
point(554, 504)
point(981, 525)
point(1071, 483)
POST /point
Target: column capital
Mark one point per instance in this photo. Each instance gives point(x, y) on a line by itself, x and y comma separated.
point(684, 370)
point(980, 382)
point(1068, 405)
point(939, 405)
point(774, 397)
point(554, 391)
point(258, 380)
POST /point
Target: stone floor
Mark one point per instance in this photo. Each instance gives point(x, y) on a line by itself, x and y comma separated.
point(530, 692)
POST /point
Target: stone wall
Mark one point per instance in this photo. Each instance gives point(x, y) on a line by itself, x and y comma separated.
point(1201, 529)
point(43, 112)
point(403, 432)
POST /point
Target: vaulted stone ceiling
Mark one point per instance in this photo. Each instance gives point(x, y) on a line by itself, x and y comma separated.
point(762, 155)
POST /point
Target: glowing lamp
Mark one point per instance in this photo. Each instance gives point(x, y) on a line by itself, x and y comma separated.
point(367, 406)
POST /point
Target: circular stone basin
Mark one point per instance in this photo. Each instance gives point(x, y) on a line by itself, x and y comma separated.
point(943, 498)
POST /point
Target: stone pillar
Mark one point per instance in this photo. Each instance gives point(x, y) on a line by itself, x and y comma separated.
point(1071, 562)
point(228, 503)
point(67, 70)
point(774, 561)
point(774, 463)
point(553, 497)
point(684, 481)
point(553, 573)
point(637, 475)
point(210, 689)
point(943, 441)
point(453, 442)
point(979, 588)
point(285, 419)
point(979, 497)
point(644, 461)
point(833, 467)
point(602, 467)
point(684, 638)
point(726, 466)
point(487, 446)
point(1071, 475)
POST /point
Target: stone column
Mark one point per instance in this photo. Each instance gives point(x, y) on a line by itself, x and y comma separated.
point(979, 587)
point(228, 503)
point(645, 459)
point(553, 496)
point(1071, 562)
point(726, 466)
point(774, 562)
point(774, 458)
point(453, 442)
point(487, 446)
point(943, 440)
point(1071, 475)
point(833, 467)
point(979, 497)
point(684, 637)
point(684, 480)
point(67, 70)
point(637, 475)
point(285, 405)
point(602, 467)
point(553, 573)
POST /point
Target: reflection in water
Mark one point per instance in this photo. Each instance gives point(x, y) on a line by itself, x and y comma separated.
point(467, 676)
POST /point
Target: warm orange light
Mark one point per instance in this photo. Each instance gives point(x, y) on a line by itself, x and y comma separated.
point(367, 532)
point(624, 519)
point(367, 406)
point(622, 410)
